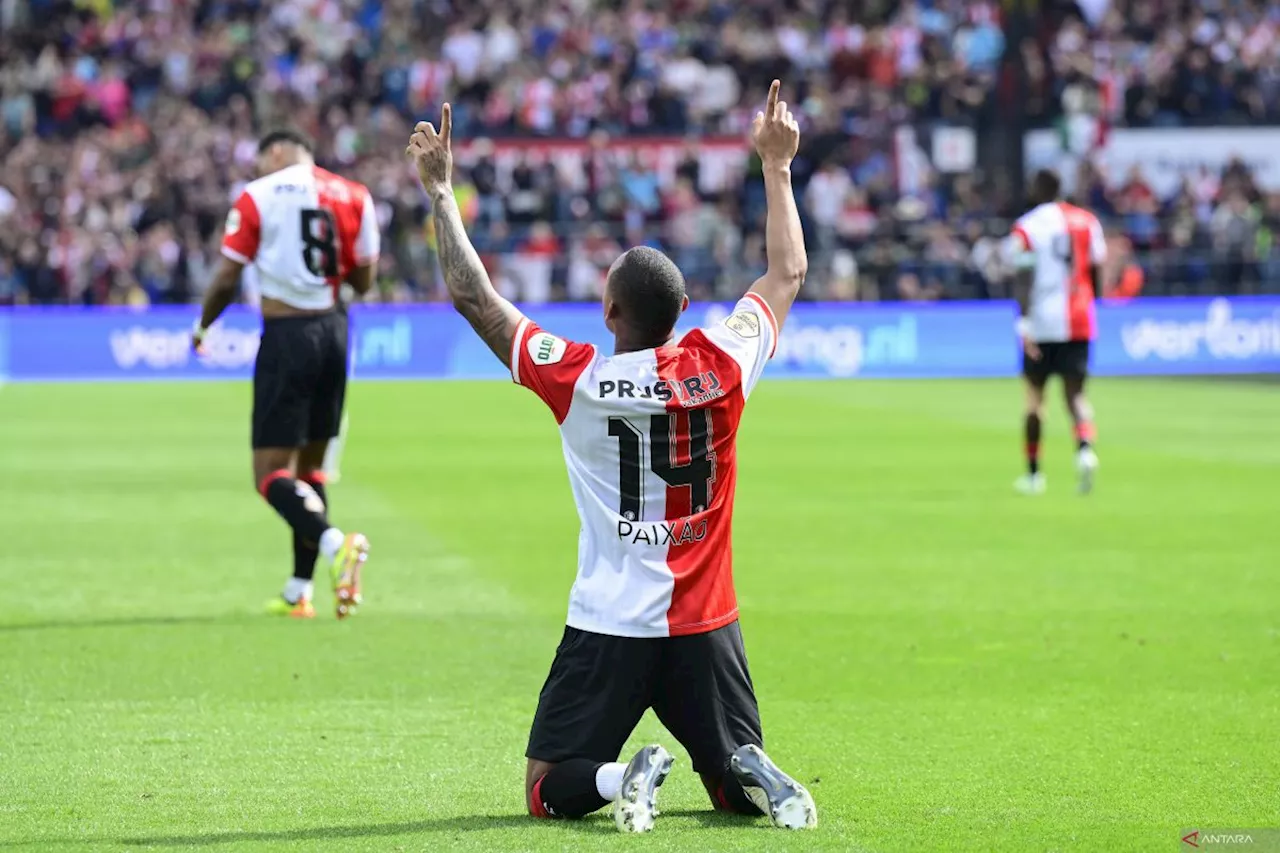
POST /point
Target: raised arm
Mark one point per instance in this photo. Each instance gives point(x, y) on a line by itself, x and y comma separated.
point(777, 138)
point(494, 318)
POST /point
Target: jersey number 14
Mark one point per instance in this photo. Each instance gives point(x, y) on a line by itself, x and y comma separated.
point(698, 474)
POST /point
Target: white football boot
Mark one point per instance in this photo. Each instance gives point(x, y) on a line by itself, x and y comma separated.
point(1031, 484)
point(783, 800)
point(636, 806)
point(1086, 469)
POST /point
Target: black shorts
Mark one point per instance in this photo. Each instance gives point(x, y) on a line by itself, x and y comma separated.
point(1067, 359)
point(600, 686)
point(299, 380)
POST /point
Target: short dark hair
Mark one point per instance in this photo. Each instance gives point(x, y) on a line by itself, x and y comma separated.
point(1046, 186)
point(285, 134)
point(648, 289)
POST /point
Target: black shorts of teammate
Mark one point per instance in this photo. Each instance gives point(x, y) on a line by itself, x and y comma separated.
point(1068, 359)
point(600, 686)
point(299, 380)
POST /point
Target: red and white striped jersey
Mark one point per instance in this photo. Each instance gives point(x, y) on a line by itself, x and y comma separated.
point(650, 441)
point(1063, 242)
point(304, 229)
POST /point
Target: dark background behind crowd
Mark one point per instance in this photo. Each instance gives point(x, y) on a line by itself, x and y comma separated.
point(126, 128)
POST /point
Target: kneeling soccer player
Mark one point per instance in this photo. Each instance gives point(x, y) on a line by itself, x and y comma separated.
point(649, 435)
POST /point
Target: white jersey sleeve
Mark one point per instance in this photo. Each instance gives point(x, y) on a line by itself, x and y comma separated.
point(749, 335)
point(369, 238)
point(1016, 251)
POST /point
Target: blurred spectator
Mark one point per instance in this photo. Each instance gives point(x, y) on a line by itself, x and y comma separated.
point(825, 200)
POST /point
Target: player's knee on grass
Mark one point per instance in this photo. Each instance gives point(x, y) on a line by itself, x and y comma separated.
point(535, 772)
point(727, 795)
point(566, 790)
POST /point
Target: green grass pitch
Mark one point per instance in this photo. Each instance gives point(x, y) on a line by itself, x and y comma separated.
point(948, 666)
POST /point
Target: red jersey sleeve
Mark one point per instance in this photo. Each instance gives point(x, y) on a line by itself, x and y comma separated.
point(548, 366)
point(243, 230)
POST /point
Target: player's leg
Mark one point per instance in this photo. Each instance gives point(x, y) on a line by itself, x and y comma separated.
point(1035, 373)
point(283, 376)
point(323, 425)
point(307, 551)
point(578, 786)
point(333, 455)
point(1074, 376)
point(274, 469)
point(705, 698)
point(595, 694)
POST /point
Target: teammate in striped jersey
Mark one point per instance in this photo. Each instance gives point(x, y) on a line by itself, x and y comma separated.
point(649, 435)
point(306, 232)
point(1058, 250)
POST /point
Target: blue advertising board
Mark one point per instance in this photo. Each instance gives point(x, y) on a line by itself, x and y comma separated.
point(1181, 336)
point(973, 339)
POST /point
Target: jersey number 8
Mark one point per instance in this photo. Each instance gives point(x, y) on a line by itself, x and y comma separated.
point(320, 242)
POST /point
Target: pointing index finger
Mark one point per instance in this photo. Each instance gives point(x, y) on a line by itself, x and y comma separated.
point(446, 123)
point(771, 109)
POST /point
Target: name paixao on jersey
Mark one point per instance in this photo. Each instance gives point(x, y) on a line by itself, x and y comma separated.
point(650, 444)
point(682, 531)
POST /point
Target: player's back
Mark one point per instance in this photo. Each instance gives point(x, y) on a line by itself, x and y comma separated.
point(649, 439)
point(304, 228)
point(1064, 242)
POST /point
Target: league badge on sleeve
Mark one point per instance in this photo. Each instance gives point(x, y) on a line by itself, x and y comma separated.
point(745, 324)
point(233, 221)
point(546, 349)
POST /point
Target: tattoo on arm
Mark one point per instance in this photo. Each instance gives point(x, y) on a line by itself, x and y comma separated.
point(494, 318)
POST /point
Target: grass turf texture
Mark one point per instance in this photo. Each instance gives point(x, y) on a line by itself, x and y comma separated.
point(947, 665)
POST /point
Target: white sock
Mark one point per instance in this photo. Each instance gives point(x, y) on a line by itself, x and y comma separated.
point(297, 589)
point(609, 779)
point(330, 541)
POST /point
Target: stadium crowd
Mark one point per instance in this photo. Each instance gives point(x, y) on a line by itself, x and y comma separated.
point(127, 127)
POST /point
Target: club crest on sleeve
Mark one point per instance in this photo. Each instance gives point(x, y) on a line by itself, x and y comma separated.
point(745, 324)
point(545, 349)
point(233, 221)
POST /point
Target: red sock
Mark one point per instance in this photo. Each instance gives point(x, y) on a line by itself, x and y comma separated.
point(1033, 456)
point(1086, 432)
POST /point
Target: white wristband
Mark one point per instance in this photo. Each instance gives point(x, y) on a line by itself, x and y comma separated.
point(197, 330)
point(1022, 326)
